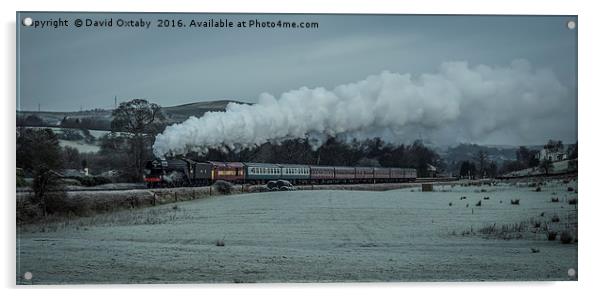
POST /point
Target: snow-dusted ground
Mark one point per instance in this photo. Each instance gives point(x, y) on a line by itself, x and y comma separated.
point(80, 145)
point(310, 236)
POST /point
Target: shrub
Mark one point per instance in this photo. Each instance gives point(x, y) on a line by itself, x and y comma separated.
point(70, 134)
point(220, 242)
point(554, 199)
point(478, 203)
point(450, 204)
point(537, 224)
point(555, 219)
point(21, 179)
point(538, 189)
point(570, 189)
point(552, 235)
point(491, 229)
point(573, 201)
point(223, 187)
point(26, 210)
point(515, 201)
point(486, 198)
point(566, 237)
point(59, 203)
point(92, 181)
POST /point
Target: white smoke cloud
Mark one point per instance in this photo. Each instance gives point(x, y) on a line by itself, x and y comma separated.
point(458, 103)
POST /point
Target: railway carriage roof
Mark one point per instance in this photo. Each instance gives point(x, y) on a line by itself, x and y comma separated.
point(293, 165)
point(343, 167)
point(226, 164)
point(320, 166)
point(262, 165)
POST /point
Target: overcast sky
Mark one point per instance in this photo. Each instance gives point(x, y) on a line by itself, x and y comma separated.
point(68, 68)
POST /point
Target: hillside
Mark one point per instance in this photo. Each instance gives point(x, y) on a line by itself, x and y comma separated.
point(182, 112)
point(100, 119)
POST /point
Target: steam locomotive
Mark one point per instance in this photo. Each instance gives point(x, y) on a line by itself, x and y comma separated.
point(181, 172)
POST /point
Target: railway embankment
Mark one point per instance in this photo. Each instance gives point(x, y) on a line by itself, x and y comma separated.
point(79, 202)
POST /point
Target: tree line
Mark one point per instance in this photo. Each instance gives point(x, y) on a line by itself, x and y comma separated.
point(335, 152)
point(481, 166)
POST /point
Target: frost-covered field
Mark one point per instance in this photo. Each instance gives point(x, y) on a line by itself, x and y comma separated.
point(313, 236)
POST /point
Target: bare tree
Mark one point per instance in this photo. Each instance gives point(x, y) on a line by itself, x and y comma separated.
point(141, 120)
point(38, 152)
point(545, 166)
point(482, 160)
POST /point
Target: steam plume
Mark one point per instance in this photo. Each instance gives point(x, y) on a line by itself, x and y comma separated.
point(457, 103)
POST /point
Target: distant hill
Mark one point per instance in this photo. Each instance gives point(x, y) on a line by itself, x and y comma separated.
point(100, 119)
point(180, 113)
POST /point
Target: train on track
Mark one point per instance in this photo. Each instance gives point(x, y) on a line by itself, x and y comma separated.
point(181, 172)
